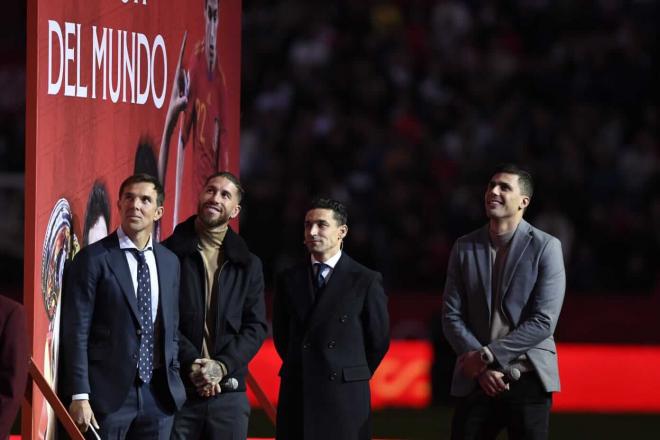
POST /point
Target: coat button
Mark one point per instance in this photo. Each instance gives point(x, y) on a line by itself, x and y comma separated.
point(332, 344)
point(306, 345)
point(343, 318)
point(138, 331)
point(332, 376)
point(134, 356)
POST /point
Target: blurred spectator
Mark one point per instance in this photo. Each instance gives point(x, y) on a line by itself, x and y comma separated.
point(399, 108)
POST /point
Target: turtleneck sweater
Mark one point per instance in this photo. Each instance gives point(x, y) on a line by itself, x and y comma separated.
point(211, 249)
point(499, 323)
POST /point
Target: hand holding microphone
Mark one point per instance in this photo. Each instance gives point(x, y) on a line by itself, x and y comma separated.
point(511, 374)
point(495, 382)
point(207, 375)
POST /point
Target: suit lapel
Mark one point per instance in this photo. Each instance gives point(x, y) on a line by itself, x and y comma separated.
point(119, 267)
point(519, 243)
point(163, 297)
point(484, 266)
point(337, 288)
point(304, 291)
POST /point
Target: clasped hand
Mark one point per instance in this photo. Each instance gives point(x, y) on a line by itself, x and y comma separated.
point(473, 367)
point(492, 382)
point(471, 364)
point(206, 375)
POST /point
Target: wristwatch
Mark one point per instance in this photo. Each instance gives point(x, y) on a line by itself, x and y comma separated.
point(486, 356)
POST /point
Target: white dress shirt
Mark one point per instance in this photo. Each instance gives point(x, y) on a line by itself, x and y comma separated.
point(329, 267)
point(126, 243)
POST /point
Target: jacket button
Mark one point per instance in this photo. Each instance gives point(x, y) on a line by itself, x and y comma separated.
point(134, 356)
point(138, 331)
point(332, 344)
point(306, 345)
point(332, 376)
point(343, 318)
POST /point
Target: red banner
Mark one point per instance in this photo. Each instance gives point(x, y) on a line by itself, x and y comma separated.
point(402, 380)
point(101, 84)
point(594, 378)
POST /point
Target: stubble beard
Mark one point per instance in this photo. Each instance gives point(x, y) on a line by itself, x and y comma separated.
point(211, 222)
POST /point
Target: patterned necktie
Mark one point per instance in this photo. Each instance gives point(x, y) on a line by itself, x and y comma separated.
point(145, 363)
point(320, 280)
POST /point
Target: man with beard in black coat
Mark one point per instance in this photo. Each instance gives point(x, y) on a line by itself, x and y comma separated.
point(223, 318)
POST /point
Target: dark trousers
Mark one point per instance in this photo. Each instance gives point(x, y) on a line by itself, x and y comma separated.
point(144, 415)
point(222, 417)
point(524, 410)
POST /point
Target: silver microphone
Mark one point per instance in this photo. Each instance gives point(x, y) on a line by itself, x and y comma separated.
point(511, 374)
point(228, 384)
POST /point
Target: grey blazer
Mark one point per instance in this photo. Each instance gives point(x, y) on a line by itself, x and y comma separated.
point(533, 285)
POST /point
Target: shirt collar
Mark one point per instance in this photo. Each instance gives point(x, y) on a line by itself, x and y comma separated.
point(126, 243)
point(332, 261)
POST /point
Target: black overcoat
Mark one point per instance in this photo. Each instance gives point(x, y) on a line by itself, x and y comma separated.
point(330, 347)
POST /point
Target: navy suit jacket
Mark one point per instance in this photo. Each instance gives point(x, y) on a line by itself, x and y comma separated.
point(101, 329)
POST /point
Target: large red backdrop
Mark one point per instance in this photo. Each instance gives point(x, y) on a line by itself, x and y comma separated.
point(99, 80)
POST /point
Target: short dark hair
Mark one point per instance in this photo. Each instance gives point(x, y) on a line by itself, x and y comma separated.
point(145, 157)
point(145, 178)
point(98, 206)
point(232, 178)
point(525, 180)
point(338, 209)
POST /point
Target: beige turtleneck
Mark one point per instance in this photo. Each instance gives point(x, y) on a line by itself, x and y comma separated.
point(211, 250)
point(500, 326)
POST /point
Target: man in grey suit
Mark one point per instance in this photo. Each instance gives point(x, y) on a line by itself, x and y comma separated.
point(503, 295)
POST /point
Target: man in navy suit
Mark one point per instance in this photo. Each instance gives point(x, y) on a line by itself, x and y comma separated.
point(504, 291)
point(119, 325)
point(331, 329)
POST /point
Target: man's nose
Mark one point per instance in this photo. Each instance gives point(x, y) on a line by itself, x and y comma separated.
point(313, 230)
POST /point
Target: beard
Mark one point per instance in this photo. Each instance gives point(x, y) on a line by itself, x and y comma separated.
point(210, 220)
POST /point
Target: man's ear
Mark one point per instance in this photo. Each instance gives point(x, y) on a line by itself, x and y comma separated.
point(343, 231)
point(159, 213)
point(524, 203)
point(235, 211)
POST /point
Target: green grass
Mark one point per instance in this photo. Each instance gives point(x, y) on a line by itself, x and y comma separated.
point(433, 424)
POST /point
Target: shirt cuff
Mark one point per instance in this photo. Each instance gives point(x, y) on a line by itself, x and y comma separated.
point(223, 368)
point(83, 396)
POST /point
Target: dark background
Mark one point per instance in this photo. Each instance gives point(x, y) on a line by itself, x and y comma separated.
point(402, 109)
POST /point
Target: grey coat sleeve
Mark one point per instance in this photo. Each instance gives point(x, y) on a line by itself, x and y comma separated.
point(454, 307)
